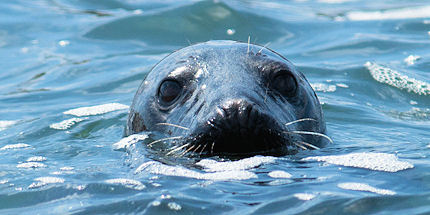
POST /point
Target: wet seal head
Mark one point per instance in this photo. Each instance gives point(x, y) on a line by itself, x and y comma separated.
point(228, 98)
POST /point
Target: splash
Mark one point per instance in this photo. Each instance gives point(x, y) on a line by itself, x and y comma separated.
point(64, 171)
point(304, 196)
point(244, 164)
point(212, 170)
point(415, 114)
point(96, 110)
point(279, 174)
point(321, 87)
point(66, 124)
point(29, 165)
point(174, 206)
point(42, 181)
point(129, 183)
point(126, 142)
point(154, 167)
point(36, 159)
point(365, 187)
point(368, 160)
point(4, 124)
point(14, 146)
point(393, 78)
point(411, 59)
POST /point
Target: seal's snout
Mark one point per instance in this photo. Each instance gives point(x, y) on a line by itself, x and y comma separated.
point(241, 127)
point(239, 115)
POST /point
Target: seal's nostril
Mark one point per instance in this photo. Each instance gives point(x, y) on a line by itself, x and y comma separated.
point(239, 116)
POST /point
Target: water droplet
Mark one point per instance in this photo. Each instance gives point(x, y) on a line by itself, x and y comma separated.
point(231, 31)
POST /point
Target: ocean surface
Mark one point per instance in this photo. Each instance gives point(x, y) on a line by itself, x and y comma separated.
point(69, 70)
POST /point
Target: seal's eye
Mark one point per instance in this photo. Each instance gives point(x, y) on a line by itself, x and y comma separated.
point(285, 83)
point(168, 92)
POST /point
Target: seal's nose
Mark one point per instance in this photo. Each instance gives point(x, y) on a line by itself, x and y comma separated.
point(241, 126)
point(239, 115)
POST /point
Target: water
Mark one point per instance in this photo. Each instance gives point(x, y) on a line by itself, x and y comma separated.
point(368, 60)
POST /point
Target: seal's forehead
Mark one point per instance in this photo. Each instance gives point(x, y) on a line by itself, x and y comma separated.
point(218, 56)
point(231, 49)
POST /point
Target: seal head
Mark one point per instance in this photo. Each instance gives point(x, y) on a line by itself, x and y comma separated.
point(228, 98)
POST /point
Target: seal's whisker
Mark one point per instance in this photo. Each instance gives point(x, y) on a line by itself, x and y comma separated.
point(310, 133)
point(249, 40)
point(265, 46)
point(212, 147)
point(194, 151)
point(186, 151)
point(299, 120)
point(308, 144)
point(173, 125)
point(164, 139)
point(203, 148)
point(178, 148)
point(301, 146)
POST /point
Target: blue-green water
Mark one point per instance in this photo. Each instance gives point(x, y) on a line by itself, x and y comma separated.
point(368, 60)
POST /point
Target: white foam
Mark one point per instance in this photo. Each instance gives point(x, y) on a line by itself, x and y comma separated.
point(126, 142)
point(67, 168)
point(96, 110)
point(50, 180)
point(368, 160)
point(31, 165)
point(36, 159)
point(42, 181)
point(321, 87)
point(129, 183)
point(279, 174)
point(174, 206)
point(394, 78)
point(66, 124)
point(6, 124)
point(154, 167)
point(4, 181)
point(365, 187)
point(402, 13)
point(243, 164)
point(342, 85)
point(411, 59)
point(14, 146)
point(304, 196)
point(156, 203)
point(417, 114)
point(63, 43)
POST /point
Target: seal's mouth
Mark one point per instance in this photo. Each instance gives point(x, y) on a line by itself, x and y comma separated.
point(240, 130)
point(240, 143)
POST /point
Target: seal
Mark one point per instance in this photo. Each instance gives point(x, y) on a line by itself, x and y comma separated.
point(228, 98)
